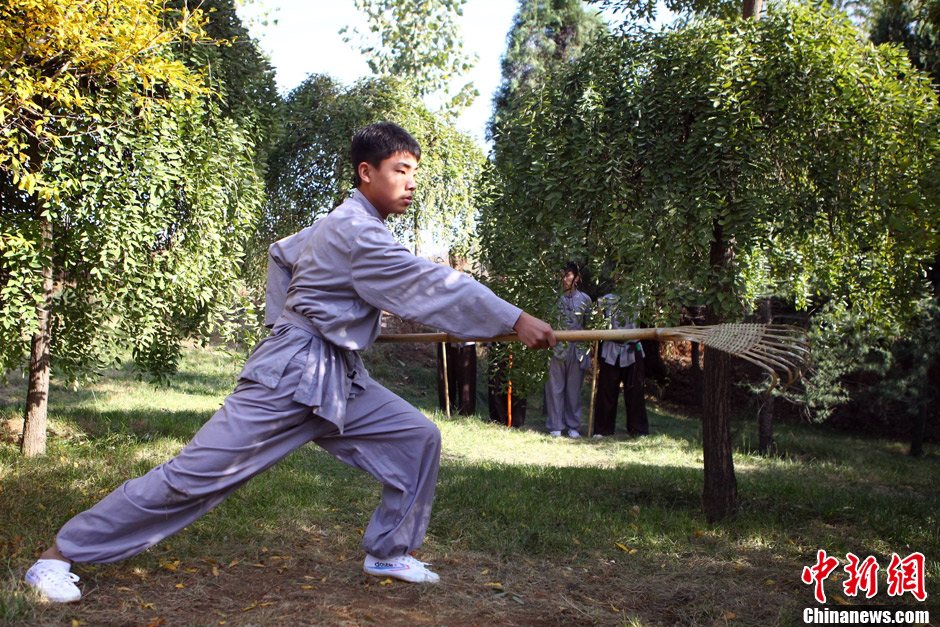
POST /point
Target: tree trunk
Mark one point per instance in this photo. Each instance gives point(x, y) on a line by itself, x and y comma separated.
point(37, 394)
point(720, 495)
point(765, 415)
point(719, 498)
point(751, 9)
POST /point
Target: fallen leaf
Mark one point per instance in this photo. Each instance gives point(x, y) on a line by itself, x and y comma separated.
point(729, 616)
point(386, 582)
point(250, 607)
point(266, 604)
point(156, 622)
point(192, 570)
point(233, 563)
point(180, 586)
point(769, 582)
point(147, 606)
point(215, 570)
point(485, 571)
point(623, 547)
point(698, 533)
point(258, 565)
point(171, 566)
point(494, 584)
point(307, 586)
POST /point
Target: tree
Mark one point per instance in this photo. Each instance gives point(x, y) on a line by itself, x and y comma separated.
point(418, 43)
point(723, 162)
point(543, 33)
point(126, 194)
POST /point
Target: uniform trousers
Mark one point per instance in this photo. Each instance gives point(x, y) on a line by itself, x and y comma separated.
point(563, 391)
point(609, 379)
point(256, 427)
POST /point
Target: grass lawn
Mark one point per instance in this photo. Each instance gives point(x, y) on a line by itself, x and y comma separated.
point(527, 529)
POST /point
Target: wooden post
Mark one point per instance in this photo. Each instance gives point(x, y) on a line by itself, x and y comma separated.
point(509, 394)
point(596, 365)
point(446, 380)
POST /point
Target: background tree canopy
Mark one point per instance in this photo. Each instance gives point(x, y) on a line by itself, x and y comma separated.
point(810, 151)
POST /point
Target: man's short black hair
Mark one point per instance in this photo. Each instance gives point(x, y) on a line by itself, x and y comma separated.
point(377, 142)
point(572, 267)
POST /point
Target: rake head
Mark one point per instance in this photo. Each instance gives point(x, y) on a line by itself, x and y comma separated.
point(776, 348)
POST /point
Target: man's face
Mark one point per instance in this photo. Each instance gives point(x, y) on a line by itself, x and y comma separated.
point(568, 281)
point(391, 186)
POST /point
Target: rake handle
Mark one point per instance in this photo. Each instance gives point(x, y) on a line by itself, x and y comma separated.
point(610, 335)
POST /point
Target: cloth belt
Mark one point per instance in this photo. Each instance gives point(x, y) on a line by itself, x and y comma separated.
point(332, 375)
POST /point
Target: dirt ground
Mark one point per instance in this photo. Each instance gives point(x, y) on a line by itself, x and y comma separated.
point(319, 583)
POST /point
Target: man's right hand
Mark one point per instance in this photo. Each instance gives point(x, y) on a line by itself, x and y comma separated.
point(533, 332)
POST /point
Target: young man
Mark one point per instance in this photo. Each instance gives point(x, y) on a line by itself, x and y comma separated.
point(327, 287)
point(569, 361)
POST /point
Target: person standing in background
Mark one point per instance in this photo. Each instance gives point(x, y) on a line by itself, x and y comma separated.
point(569, 360)
point(620, 363)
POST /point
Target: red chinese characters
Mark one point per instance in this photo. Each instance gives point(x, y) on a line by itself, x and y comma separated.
point(907, 575)
point(903, 575)
point(819, 572)
point(863, 576)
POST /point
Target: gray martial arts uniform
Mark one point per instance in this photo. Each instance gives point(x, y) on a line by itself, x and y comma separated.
point(566, 367)
point(327, 286)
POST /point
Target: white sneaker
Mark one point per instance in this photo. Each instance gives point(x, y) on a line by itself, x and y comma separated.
point(555, 434)
point(403, 567)
point(598, 436)
point(574, 434)
point(53, 580)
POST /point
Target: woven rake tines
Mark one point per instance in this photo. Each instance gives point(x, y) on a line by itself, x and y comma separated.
point(776, 348)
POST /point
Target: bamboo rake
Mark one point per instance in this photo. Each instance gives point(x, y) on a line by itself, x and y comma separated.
point(775, 348)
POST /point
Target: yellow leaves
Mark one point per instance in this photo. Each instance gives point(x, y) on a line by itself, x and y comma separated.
point(171, 566)
point(495, 585)
point(386, 582)
point(257, 604)
point(626, 549)
point(51, 51)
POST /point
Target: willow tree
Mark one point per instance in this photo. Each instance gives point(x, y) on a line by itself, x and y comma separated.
point(543, 33)
point(125, 193)
point(724, 161)
point(418, 43)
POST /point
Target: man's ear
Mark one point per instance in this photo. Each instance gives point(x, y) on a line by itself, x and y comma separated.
point(365, 171)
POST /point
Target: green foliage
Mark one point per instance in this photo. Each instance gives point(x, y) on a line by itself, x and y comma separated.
point(309, 171)
point(149, 190)
point(915, 25)
point(418, 43)
point(239, 73)
point(543, 33)
point(810, 153)
point(633, 11)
